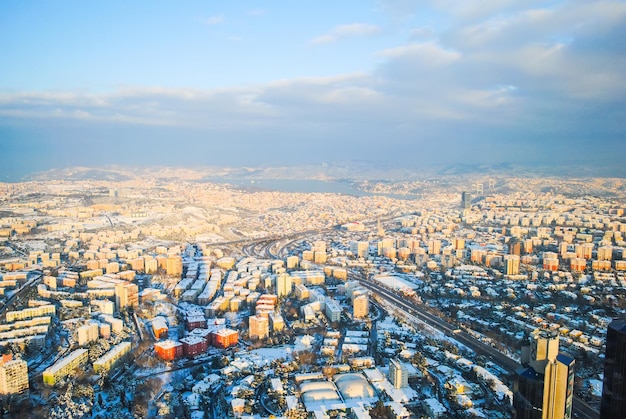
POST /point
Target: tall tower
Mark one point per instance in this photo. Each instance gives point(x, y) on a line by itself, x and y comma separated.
point(544, 386)
point(614, 387)
point(511, 264)
point(466, 200)
point(380, 229)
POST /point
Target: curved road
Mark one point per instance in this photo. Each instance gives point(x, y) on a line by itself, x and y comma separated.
point(263, 248)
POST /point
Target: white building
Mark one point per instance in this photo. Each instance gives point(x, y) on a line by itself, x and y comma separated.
point(398, 374)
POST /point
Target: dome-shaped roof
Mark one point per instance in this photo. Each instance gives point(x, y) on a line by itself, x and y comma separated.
point(353, 386)
point(316, 385)
point(319, 395)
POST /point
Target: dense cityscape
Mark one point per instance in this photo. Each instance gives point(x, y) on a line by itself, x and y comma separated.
point(174, 296)
point(356, 209)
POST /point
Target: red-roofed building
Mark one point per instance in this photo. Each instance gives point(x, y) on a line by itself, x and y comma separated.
point(225, 338)
point(194, 345)
point(159, 327)
point(168, 350)
point(196, 322)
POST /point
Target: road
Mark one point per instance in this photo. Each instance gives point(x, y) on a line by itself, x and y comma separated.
point(37, 276)
point(580, 408)
point(269, 248)
point(274, 247)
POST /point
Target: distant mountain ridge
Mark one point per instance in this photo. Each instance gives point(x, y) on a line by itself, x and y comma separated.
point(353, 171)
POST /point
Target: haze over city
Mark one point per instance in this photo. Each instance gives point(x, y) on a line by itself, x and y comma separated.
point(403, 83)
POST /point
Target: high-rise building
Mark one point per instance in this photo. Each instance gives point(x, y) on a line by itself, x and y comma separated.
point(174, 265)
point(277, 323)
point(515, 247)
point(88, 333)
point(259, 326)
point(458, 244)
point(398, 374)
point(605, 253)
point(434, 247)
point(361, 305)
point(466, 200)
point(511, 264)
point(292, 262)
point(544, 386)
point(379, 229)
point(284, 285)
point(614, 388)
point(383, 244)
point(360, 249)
point(13, 375)
point(126, 295)
point(319, 246)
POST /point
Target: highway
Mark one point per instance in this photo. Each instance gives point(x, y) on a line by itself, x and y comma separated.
point(580, 408)
point(273, 247)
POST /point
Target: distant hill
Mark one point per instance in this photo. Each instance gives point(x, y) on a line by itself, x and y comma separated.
point(349, 171)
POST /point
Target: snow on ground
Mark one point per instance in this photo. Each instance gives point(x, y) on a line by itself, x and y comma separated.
point(35, 245)
point(595, 386)
point(498, 387)
point(204, 385)
point(394, 281)
point(303, 343)
point(476, 413)
point(267, 355)
point(209, 238)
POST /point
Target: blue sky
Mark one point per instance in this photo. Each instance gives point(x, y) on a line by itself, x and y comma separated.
point(275, 83)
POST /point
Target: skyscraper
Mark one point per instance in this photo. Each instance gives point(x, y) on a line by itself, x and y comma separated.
point(614, 387)
point(544, 386)
point(466, 200)
point(511, 264)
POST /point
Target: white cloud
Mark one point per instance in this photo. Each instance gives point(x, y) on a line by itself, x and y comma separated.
point(214, 20)
point(346, 31)
point(523, 71)
point(465, 11)
point(429, 53)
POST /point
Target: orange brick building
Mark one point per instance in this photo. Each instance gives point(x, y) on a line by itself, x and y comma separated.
point(225, 338)
point(168, 350)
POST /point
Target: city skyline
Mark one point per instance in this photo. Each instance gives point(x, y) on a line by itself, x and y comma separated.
point(406, 83)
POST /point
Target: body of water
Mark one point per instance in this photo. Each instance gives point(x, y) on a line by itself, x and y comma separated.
point(302, 186)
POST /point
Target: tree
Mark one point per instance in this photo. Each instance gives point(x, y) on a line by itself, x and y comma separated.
point(418, 360)
point(380, 411)
point(296, 414)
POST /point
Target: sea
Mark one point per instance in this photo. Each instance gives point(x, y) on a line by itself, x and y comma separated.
point(303, 186)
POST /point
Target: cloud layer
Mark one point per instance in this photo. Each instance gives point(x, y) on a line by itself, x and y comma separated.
point(514, 80)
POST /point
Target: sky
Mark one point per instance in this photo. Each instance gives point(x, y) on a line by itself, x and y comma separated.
point(412, 83)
